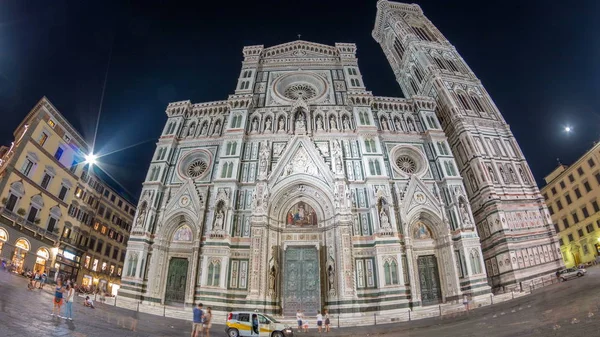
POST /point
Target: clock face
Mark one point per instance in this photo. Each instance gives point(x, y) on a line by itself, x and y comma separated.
point(184, 201)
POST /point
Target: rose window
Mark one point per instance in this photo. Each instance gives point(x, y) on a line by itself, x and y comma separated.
point(406, 164)
point(196, 168)
point(300, 90)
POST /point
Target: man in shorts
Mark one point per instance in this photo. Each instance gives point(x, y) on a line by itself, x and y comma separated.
point(197, 324)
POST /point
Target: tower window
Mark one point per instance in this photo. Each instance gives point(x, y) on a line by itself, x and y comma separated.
point(399, 48)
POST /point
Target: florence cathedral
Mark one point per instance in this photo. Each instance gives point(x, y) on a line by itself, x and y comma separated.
point(304, 190)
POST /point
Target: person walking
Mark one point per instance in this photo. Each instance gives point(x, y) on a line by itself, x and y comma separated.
point(69, 292)
point(207, 321)
point(319, 321)
point(299, 319)
point(327, 321)
point(58, 298)
point(197, 324)
point(43, 282)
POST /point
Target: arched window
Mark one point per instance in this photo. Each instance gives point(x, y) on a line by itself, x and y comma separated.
point(377, 168)
point(439, 63)
point(463, 101)
point(372, 167)
point(452, 65)
point(234, 148)
point(387, 272)
point(477, 103)
point(414, 86)
point(229, 170)
point(475, 263)
point(234, 121)
point(390, 269)
point(224, 170)
point(214, 274)
point(132, 264)
point(418, 74)
point(399, 48)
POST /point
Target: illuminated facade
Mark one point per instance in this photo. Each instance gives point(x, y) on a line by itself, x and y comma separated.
point(572, 194)
point(47, 207)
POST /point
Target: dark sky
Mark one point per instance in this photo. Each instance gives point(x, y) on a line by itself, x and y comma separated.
point(538, 60)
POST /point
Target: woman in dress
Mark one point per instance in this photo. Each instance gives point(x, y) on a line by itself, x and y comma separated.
point(58, 298)
point(207, 322)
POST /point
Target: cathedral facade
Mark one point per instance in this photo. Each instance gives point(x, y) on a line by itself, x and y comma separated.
point(303, 190)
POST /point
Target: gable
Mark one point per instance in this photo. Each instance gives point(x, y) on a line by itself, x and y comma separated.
point(301, 157)
point(185, 197)
point(300, 49)
point(418, 195)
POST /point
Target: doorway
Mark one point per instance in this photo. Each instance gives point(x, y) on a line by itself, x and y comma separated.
point(176, 281)
point(429, 280)
point(301, 284)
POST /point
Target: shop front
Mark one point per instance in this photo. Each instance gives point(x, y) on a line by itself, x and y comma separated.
point(67, 263)
point(20, 252)
point(41, 260)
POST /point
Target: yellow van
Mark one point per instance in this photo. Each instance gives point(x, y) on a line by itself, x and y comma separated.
point(246, 324)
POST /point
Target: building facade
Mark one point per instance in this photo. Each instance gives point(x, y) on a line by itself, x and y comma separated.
point(572, 194)
point(517, 236)
point(46, 218)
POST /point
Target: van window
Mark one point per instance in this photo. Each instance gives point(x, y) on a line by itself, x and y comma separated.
point(244, 317)
point(262, 319)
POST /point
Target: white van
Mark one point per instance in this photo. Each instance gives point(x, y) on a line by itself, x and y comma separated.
point(240, 324)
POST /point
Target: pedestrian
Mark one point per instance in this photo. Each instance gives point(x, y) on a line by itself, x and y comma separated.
point(327, 321)
point(69, 291)
point(88, 302)
point(58, 298)
point(319, 321)
point(466, 302)
point(36, 278)
point(299, 319)
point(207, 322)
point(255, 329)
point(197, 324)
point(43, 282)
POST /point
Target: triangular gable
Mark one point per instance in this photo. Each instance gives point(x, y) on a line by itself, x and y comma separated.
point(417, 194)
point(185, 197)
point(301, 157)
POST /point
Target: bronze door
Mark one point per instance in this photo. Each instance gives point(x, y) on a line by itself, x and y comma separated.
point(176, 281)
point(429, 280)
point(301, 282)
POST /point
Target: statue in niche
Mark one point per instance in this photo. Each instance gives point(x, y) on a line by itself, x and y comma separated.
point(337, 154)
point(217, 128)
point(398, 125)
point(346, 123)
point(319, 123)
point(265, 196)
point(203, 129)
point(254, 125)
point(264, 157)
point(384, 124)
point(411, 124)
point(332, 123)
point(300, 120)
point(384, 219)
point(272, 276)
point(464, 212)
point(192, 129)
point(268, 124)
point(219, 220)
point(330, 278)
point(141, 216)
point(281, 126)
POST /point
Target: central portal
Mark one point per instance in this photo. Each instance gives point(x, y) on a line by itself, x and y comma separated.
point(301, 284)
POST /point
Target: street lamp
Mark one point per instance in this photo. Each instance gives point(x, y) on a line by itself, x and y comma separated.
point(91, 159)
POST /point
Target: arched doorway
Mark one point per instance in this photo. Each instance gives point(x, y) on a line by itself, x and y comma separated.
point(41, 259)
point(3, 238)
point(21, 249)
point(428, 276)
point(175, 289)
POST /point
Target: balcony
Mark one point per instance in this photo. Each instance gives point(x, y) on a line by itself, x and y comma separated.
point(17, 219)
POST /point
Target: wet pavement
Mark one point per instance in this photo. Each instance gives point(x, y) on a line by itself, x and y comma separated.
point(564, 309)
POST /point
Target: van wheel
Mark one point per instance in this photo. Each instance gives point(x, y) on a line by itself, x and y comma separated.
point(579, 274)
point(233, 333)
point(277, 334)
point(562, 279)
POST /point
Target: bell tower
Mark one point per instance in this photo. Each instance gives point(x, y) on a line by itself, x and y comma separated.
point(517, 237)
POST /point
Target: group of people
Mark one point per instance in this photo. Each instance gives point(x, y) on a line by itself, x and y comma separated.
point(202, 321)
point(322, 320)
point(63, 294)
point(37, 281)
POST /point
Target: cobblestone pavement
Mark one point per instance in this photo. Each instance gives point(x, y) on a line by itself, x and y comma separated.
point(565, 309)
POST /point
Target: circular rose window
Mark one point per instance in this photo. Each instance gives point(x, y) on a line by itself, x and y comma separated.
point(408, 160)
point(300, 90)
point(196, 168)
point(406, 164)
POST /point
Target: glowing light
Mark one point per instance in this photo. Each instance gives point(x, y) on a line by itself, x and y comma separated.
point(91, 159)
point(568, 129)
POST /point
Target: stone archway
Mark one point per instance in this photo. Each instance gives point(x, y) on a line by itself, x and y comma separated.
point(431, 259)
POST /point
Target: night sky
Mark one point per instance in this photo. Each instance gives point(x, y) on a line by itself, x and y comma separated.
point(538, 60)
